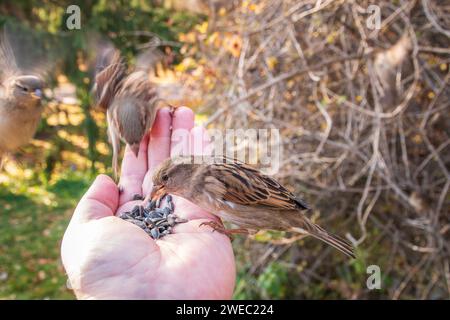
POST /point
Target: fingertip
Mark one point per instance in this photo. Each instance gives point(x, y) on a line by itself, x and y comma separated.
point(133, 171)
point(129, 158)
point(104, 189)
point(101, 199)
point(164, 112)
point(163, 121)
point(103, 179)
point(183, 118)
point(182, 123)
point(183, 110)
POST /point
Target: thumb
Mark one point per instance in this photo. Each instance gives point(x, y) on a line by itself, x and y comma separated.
point(101, 200)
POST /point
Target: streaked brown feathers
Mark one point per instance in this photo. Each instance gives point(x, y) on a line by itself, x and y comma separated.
point(245, 185)
point(241, 194)
point(108, 81)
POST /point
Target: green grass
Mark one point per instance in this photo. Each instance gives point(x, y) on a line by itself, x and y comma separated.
point(33, 218)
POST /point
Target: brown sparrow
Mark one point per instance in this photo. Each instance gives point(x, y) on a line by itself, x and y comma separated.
point(130, 103)
point(239, 194)
point(20, 102)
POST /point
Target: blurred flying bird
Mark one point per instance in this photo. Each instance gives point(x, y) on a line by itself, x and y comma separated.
point(130, 101)
point(240, 194)
point(20, 101)
point(388, 64)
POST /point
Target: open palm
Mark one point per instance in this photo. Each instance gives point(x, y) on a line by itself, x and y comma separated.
point(106, 257)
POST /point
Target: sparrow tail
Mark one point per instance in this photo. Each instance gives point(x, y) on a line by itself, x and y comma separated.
point(340, 244)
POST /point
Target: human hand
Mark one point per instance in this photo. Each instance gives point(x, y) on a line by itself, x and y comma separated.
point(106, 257)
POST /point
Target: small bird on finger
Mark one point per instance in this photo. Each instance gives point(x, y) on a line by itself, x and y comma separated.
point(130, 101)
point(20, 102)
point(240, 194)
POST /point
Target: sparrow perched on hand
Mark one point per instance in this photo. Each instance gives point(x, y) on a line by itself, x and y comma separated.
point(20, 102)
point(241, 195)
point(130, 103)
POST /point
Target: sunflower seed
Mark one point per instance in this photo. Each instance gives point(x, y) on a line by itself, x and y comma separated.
point(159, 212)
point(154, 233)
point(135, 210)
point(162, 223)
point(161, 229)
point(158, 203)
point(151, 205)
point(156, 222)
point(141, 211)
point(166, 211)
point(180, 220)
point(171, 220)
point(139, 223)
point(158, 219)
point(125, 216)
point(170, 202)
point(138, 197)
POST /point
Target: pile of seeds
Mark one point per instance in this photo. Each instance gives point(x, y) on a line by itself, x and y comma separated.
point(156, 222)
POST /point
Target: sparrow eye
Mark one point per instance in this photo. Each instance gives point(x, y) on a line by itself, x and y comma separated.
point(22, 88)
point(165, 178)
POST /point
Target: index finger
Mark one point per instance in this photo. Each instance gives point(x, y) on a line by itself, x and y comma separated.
point(133, 172)
point(158, 145)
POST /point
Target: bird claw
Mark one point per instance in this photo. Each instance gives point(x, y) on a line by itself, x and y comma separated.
point(180, 220)
point(172, 109)
point(221, 229)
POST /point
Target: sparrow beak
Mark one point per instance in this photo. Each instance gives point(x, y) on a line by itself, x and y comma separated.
point(157, 192)
point(135, 148)
point(37, 94)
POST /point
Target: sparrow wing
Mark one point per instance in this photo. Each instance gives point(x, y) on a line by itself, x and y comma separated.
point(138, 86)
point(242, 184)
point(236, 184)
point(108, 80)
point(23, 52)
